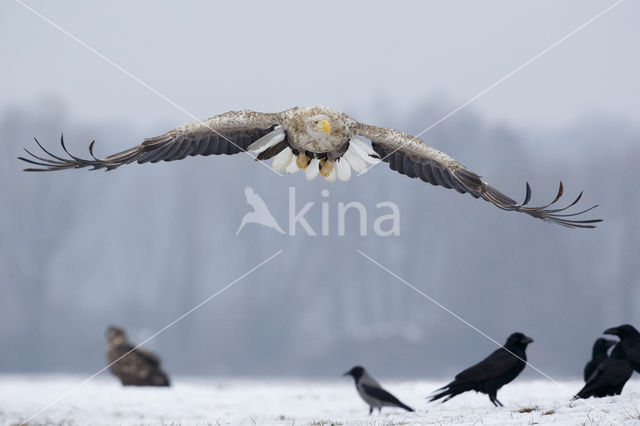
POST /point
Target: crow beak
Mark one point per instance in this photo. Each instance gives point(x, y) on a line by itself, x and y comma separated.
point(527, 340)
point(612, 330)
point(348, 373)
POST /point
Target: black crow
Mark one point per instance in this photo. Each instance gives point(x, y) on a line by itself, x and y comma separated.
point(630, 339)
point(609, 377)
point(493, 372)
point(371, 391)
point(598, 354)
point(136, 367)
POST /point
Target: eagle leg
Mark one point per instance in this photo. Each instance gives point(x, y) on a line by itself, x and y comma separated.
point(302, 161)
point(326, 166)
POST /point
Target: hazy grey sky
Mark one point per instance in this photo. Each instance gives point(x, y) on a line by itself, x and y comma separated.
point(147, 243)
point(212, 57)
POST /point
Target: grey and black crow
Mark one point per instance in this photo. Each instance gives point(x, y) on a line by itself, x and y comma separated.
point(490, 374)
point(630, 339)
point(598, 354)
point(371, 391)
point(133, 366)
point(609, 377)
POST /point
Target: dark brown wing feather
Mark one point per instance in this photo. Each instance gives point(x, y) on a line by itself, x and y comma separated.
point(228, 133)
point(409, 156)
point(167, 147)
point(136, 367)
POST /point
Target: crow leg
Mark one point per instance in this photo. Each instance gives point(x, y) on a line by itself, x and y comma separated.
point(370, 409)
point(494, 400)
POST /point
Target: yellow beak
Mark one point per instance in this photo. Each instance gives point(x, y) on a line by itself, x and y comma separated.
point(326, 126)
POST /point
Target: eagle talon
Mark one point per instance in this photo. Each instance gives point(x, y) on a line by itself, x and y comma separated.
point(326, 166)
point(303, 161)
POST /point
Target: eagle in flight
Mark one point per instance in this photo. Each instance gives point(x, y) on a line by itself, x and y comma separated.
point(318, 140)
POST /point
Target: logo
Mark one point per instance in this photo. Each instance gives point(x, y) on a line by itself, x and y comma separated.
point(260, 213)
point(386, 223)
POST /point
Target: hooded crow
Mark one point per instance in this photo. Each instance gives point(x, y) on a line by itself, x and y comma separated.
point(609, 377)
point(371, 391)
point(630, 339)
point(598, 354)
point(490, 374)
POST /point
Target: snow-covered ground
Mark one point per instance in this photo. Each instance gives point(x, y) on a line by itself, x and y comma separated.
point(192, 401)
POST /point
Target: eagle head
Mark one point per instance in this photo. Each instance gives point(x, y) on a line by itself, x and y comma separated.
point(319, 123)
point(116, 335)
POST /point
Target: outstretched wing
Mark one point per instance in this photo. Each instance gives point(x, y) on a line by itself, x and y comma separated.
point(410, 156)
point(227, 133)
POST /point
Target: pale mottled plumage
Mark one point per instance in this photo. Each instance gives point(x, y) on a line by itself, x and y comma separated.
point(319, 140)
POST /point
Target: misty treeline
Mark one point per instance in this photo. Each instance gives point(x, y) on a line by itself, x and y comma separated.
point(139, 246)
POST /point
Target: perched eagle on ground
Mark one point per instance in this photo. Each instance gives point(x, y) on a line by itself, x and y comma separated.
point(318, 140)
point(133, 366)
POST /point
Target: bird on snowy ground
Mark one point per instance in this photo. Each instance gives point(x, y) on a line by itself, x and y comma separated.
point(318, 140)
point(371, 391)
point(598, 354)
point(490, 374)
point(609, 377)
point(134, 366)
point(630, 338)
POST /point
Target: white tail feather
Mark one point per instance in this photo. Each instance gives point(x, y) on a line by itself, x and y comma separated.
point(343, 169)
point(292, 167)
point(357, 163)
point(282, 160)
point(313, 169)
point(356, 157)
point(364, 150)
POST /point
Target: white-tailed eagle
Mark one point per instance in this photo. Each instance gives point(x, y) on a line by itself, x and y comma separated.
point(318, 140)
point(134, 366)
